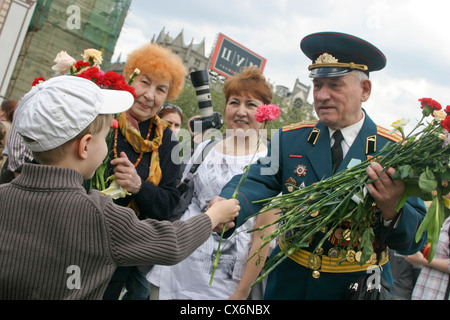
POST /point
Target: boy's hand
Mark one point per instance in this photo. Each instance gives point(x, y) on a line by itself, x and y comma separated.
point(214, 200)
point(223, 211)
point(219, 227)
point(126, 175)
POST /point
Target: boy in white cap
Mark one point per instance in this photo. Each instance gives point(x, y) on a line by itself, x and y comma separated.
point(57, 241)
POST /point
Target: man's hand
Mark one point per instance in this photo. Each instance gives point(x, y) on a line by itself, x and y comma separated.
point(386, 192)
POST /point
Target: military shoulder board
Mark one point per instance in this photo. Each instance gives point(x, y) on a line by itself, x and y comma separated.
point(300, 125)
point(385, 133)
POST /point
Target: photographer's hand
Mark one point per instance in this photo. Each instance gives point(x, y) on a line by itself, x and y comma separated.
point(189, 126)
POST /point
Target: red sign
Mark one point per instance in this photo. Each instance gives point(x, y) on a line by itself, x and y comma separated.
point(229, 57)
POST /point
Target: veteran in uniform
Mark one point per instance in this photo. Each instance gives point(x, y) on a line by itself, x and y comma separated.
point(301, 154)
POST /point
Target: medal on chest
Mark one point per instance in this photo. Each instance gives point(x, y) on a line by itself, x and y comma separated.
point(300, 170)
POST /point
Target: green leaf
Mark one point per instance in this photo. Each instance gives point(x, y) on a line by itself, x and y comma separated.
point(405, 171)
point(426, 222)
point(445, 175)
point(366, 243)
point(427, 181)
point(402, 202)
point(413, 190)
point(434, 228)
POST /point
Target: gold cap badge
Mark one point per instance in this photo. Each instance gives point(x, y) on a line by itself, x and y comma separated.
point(326, 60)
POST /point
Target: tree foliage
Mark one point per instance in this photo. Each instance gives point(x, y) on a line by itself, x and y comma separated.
point(187, 101)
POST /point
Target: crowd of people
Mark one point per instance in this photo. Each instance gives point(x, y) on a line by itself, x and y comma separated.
point(133, 248)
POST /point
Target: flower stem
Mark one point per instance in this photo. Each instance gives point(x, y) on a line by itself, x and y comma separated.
point(234, 196)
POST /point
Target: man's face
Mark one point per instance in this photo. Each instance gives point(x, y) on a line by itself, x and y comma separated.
point(338, 100)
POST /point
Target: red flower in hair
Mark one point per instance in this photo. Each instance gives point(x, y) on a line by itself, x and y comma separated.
point(37, 81)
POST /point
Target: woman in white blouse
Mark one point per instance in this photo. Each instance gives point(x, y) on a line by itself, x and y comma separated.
point(190, 279)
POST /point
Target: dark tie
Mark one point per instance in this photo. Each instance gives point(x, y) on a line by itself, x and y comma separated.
point(336, 150)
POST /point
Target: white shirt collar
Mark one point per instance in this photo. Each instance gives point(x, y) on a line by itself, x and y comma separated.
point(349, 133)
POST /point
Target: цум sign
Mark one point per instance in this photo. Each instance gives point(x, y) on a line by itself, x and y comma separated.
point(229, 57)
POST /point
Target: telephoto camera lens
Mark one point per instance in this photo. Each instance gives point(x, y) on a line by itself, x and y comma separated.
point(200, 81)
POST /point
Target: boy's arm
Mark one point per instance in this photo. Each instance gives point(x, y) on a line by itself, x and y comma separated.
point(143, 242)
point(135, 242)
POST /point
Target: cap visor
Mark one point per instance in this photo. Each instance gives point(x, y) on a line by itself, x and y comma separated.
point(115, 101)
point(329, 72)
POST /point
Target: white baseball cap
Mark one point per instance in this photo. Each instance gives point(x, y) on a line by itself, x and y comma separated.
point(57, 110)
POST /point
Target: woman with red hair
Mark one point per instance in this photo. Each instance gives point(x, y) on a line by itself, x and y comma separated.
point(142, 148)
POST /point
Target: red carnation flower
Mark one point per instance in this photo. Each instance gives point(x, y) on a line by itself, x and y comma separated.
point(267, 113)
point(130, 89)
point(429, 105)
point(37, 81)
point(92, 74)
point(447, 110)
point(430, 102)
point(446, 123)
point(125, 87)
point(115, 81)
point(81, 64)
point(111, 79)
point(426, 251)
point(115, 124)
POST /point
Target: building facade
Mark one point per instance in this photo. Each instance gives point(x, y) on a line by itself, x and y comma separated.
point(192, 54)
point(194, 58)
point(15, 17)
point(65, 25)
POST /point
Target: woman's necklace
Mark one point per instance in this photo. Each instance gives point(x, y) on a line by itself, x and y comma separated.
point(116, 133)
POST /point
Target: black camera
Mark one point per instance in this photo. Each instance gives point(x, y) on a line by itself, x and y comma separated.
point(209, 119)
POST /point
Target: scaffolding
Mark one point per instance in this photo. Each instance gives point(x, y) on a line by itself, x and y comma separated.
point(51, 31)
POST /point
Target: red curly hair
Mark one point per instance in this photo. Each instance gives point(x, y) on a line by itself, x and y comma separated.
point(160, 62)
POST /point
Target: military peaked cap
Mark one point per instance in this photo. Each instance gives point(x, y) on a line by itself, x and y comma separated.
point(335, 54)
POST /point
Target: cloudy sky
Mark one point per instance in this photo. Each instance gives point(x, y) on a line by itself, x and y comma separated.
point(413, 34)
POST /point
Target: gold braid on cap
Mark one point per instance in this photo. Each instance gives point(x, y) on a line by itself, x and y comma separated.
point(326, 60)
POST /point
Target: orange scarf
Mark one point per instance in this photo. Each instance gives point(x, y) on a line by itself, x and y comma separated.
point(130, 130)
